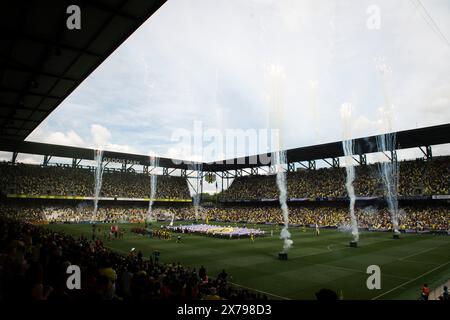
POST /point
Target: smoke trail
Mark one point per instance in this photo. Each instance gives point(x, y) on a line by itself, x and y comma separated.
point(389, 172)
point(173, 218)
point(154, 163)
point(279, 157)
point(348, 147)
point(98, 174)
point(198, 168)
point(285, 235)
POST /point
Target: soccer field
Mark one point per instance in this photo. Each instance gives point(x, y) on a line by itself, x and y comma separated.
point(314, 262)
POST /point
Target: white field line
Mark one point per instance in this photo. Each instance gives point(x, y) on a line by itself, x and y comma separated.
point(412, 280)
point(253, 289)
point(417, 253)
point(339, 249)
point(420, 262)
point(358, 271)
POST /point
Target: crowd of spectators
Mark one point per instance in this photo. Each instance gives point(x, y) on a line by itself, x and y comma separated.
point(417, 177)
point(67, 181)
point(419, 217)
point(34, 260)
point(84, 212)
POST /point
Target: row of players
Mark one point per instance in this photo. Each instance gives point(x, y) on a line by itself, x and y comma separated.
point(415, 218)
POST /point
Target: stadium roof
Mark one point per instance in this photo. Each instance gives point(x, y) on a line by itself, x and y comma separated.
point(414, 138)
point(42, 61)
point(54, 150)
point(428, 136)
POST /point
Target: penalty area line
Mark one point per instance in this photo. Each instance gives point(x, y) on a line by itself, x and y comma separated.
point(412, 280)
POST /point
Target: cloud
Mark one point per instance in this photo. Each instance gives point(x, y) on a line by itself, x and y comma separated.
point(69, 138)
point(100, 135)
point(182, 152)
point(206, 61)
point(439, 102)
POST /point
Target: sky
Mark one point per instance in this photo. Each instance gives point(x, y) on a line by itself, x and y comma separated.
point(209, 63)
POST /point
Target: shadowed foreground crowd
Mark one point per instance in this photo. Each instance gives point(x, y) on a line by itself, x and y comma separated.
point(34, 260)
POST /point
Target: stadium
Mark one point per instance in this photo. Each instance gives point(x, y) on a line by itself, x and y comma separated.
point(309, 222)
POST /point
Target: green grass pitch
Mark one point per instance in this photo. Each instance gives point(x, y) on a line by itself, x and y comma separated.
point(314, 262)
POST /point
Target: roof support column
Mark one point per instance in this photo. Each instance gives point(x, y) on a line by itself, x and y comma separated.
point(14, 157)
point(335, 162)
point(394, 156)
point(427, 152)
point(291, 167)
point(362, 159)
point(76, 162)
point(193, 187)
point(46, 160)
